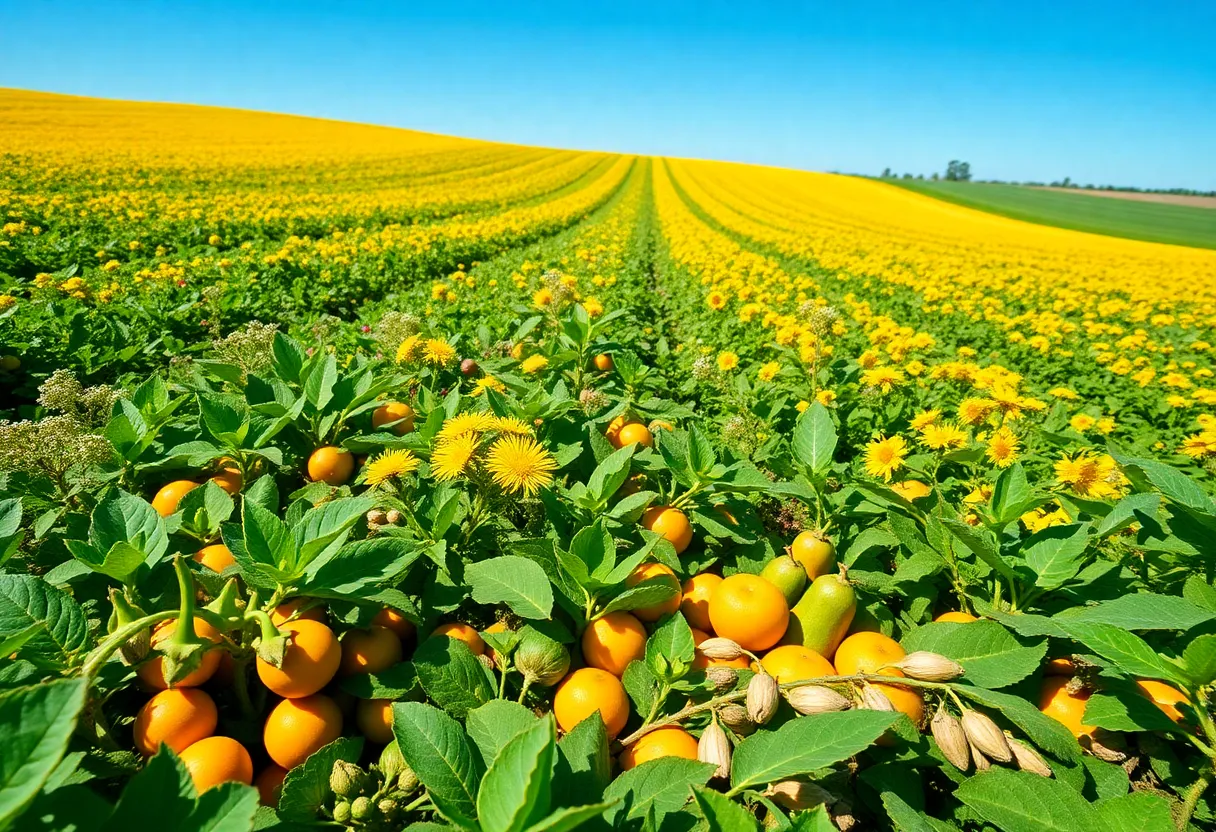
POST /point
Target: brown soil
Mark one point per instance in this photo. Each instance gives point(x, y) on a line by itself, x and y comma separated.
point(1170, 199)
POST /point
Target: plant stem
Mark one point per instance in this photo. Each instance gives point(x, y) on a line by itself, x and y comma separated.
point(120, 637)
point(1192, 798)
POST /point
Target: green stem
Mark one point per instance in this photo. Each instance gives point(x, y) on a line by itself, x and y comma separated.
point(1192, 798)
point(524, 690)
point(118, 638)
point(411, 807)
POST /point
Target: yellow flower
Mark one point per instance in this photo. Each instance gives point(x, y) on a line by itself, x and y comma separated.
point(542, 298)
point(214, 240)
point(912, 489)
point(1063, 393)
point(450, 459)
point(727, 361)
point(1090, 476)
point(487, 383)
point(519, 464)
point(6, 301)
point(802, 406)
point(534, 364)
point(1002, 448)
point(979, 494)
point(408, 349)
point(826, 397)
point(882, 378)
point(463, 423)
point(943, 437)
point(716, 300)
point(510, 424)
point(438, 353)
point(769, 371)
point(594, 307)
point(885, 456)
point(925, 418)
point(1199, 445)
point(1082, 422)
point(390, 464)
point(973, 411)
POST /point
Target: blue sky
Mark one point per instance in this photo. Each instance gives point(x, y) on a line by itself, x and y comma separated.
point(1119, 91)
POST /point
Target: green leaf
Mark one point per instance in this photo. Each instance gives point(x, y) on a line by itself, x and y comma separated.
point(983, 545)
point(124, 518)
point(805, 744)
point(26, 601)
point(1199, 659)
point(1127, 650)
point(563, 820)
point(10, 527)
point(452, 676)
point(519, 583)
point(496, 723)
point(74, 808)
point(1142, 611)
point(1055, 553)
point(1136, 812)
point(1017, 801)
point(1124, 512)
point(435, 747)
point(361, 564)
point(1124, 710)
point(161, 795)
point(583, 764)
point(721, 813)
point(319, 386)
point(988, 652)
point(648, 593)
point(814, 440)
point(225, 417)
point(1011, 494)
point(306, 787)
point(323, 530)
point(659, 785)
point(228, 807)
point(610, 474)
point(36, 723)
point(670, 649)
point(1172, 483)
point(515, 790)
point(267, 539)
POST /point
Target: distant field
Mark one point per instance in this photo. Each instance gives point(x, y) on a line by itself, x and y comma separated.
point(1153, 221)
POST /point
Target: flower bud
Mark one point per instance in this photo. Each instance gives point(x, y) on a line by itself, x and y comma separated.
point(342, 812)
point(376, 517)
point(1027, 758)
point(929, 667)
point(714, 747)
point(816, 699)
point(387, 807)
point(872, 699)
point(720, 648)
point(722, 679)
point(951, 739)
point(346, 779)
point(362, 808)
point(540, 659)
point(986, 736)
point(407, 781)
point(796, 795)
point(762, 696)
point(486, 661)
point(391, 762)
point(736, 719)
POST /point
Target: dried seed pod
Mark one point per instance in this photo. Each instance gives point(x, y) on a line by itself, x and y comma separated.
point(816, 699)
point(951, 739)
point(736, 719)
point(987, 736)
point(797, 795)
point(720, 648)
point(981, 762)
point(1027, 758)
point(714, 747)
point(394, 517)
point(762, 696)
point(376, 517)
point(1107, 746)
point(842, 816)
point(872, 699)
point(722, 679)
point(929, 667)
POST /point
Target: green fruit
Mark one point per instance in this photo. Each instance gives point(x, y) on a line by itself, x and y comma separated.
point(821, 618)
point(787, 575)
point(540, 659)
point(815, 552)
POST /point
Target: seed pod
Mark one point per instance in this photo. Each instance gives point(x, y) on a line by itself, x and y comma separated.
point(393, 517)
point(872, 699)
point(985, 735)
point(346, 779)
point(407, 781)
point(391, 762)
point(762, 695)
point(951, 739)
point(842, 816)
point(540, 659)
point(486, 660)
point(1107, 746)
point(362, 808)
point(736, 719)
point(387, 807)
point(135, 649)
point(929, 667)
point(720, 648)
point(797, 795)
point(376, 517)
point(342, 812)
point(816, 699)
point(714, 747)
point(722, 679)
point(1027, 758)
point(981, 762)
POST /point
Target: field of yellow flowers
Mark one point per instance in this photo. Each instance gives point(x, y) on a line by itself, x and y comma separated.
point(371, 479)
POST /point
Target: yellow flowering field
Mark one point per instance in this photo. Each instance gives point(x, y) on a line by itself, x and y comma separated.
point(369, 479)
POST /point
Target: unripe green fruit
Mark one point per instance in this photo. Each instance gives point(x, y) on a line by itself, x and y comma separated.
point(540, 659)
point(787, 575)
point(815, 552)
point(362, 808)
point(821, 619)
point(391, 762)
point(342, 811)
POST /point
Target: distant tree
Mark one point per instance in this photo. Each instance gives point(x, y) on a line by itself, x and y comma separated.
point(1067, 183)
point(957, 171)
point(886, 173)
point(920, 176)
point(907, 176)
point(935, 177)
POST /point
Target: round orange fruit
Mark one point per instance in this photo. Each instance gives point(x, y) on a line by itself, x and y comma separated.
point(152, 672)
point(295, 728)
point(661, 742)
point(331, 465)
point(646, 571)
point(586, 691)
point(694, 602)
point(397, 412)
point(670, 524)
point(215, 557)
point(1066, 708)
point(750, 611)
point(370, 651)
point(612, 641)
point(309, 663)
point(177, 718)
point(216, 760)
point(793, 663)
point(375, 719)
point(634, 433)
point(463, 632)
point(166, 500)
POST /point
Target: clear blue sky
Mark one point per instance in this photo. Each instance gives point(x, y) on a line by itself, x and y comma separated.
point(1120, 91)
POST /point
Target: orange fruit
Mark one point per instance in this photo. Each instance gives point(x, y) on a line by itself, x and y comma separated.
point(295, 728)
point(661, 742)
point(701, 661)
point(793, 663)
point(669, 523)
point(1165, 696)
point(604, 363)
point(289, 611)
point(392, 412)
point(330, 465)
point(646, 571)
point(465, 633)
point(586, 691)
point(750, 611)
point(166, 500)
point(177, 718)
point(694, 602)
point(612, 641)
point(152, 672)
point(815, 552)
point(1061, 666)
point(1064, 707)
point(309, 663)
point(395, 621)
point(270, 785)
point(370, 651)
point(375, 719)
point(634, 433)
point(613, 430)
point(230, 480)
point(957, 617)
point(869, 652)
point(215, 557)
point(496, 627)
point(216, 760)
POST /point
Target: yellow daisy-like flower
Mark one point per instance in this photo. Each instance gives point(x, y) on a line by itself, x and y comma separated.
point(925, 418)
point(463, 423)
point(973, 411)
point(882, 378)
point(594, 307)
point(439, 353)
point(1002, 448)
point(510, 424)
point(1082, 422)
point(1199, 445)
point(943, 437)
point(769, 371)
point(542, 298)
point(979, 494)
point(802, 406)
point(390, 464)
point(408, 350)
point(885, 456)
point(1063, 393)
point(534, 364)
point(519, 464)
point(716, 301)
point(912, 489)
point(451, 459)
point(727, 361)
point(826, 397)
point(487, 383)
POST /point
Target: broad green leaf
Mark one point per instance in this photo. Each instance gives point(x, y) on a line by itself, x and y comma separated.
point(435, 747)
point(73, 808)
point(661, 786)
point(361, 564)
point(161, 795)
point(988, 652)
point(723, 814)
point(610, 474)
point(814, 440)
point(306, 786)
point(496, 723)
point(266, 537)
point(319, 386)
point(1055, 553)
point(1109, 779)
point(818, 820)
point(1128, 651)
point(1172, 483)
point(515, 790)
point(228, 807)
point(1199, 659)
point(805, 744)
point(670, 649)
point(26, 601)
point(1136, 812)
point(1142, 611)
point(571, 817)
point(36, 723)
point(1017, 801)
point(124, 518)
point(648, 593)
point(1011, 493)
point(452, 676)
point(1124, 710)
point(516, 581)
point(10, 527)
point(1124, 512)
point(982, 544)
point(583, 764)
point(323, 530)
